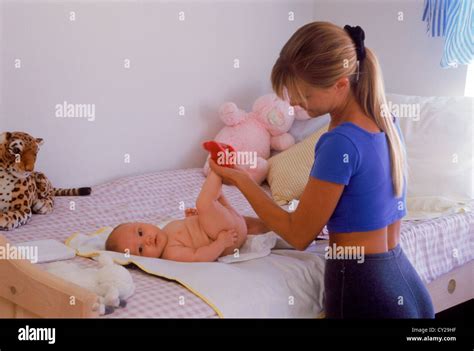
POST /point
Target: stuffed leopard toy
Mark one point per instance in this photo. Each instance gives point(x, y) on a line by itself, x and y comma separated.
point(22, 191)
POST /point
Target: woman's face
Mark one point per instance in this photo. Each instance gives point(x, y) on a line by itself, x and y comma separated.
point(321, 101)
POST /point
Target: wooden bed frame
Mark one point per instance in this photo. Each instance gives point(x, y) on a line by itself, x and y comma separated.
point(27, 291)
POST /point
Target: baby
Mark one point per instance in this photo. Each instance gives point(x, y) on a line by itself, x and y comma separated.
point(212, 230)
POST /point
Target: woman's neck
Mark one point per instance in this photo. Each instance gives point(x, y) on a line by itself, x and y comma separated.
point(350, 111)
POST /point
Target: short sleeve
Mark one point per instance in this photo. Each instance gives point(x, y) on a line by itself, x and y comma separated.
point(336, 159)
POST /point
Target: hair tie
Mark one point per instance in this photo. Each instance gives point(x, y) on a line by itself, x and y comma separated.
point(358, 36)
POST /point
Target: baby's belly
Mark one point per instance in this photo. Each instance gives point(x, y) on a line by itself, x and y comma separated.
point(196, 236)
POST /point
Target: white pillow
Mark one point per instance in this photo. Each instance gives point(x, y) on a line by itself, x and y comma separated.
point(301, 129)
point(438, 133)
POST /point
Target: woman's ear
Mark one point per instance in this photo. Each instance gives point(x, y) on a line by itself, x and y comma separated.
point(342, 84)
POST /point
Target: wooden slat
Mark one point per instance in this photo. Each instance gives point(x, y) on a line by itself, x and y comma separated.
point(22, 313)
point(40, 293)
point(7, 309)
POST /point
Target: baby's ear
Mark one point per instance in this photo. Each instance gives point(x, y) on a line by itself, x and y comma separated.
point(39, 141)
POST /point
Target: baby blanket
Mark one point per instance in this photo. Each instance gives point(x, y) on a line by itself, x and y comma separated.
point(266, 279)
point(428, 207)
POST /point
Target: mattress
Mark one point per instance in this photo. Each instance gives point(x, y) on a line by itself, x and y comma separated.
point(434, 246)
point(437, 246)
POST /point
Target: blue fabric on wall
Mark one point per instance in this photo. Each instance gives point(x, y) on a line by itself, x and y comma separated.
point(452, 19)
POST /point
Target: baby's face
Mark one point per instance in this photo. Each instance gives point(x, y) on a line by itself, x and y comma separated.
point(141, 239)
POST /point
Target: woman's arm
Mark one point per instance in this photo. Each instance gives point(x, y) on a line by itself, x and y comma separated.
point(298, 228)
point(255, 225)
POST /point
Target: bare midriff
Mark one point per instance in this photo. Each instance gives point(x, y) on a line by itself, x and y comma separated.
point(374, 241)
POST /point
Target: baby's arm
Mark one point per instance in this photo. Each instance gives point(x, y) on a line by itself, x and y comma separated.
point(208, 253)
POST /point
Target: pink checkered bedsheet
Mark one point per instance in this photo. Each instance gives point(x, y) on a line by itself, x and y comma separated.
point(439, 245)
point(153, 197)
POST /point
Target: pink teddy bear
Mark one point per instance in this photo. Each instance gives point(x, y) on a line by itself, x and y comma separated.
point(254, 134)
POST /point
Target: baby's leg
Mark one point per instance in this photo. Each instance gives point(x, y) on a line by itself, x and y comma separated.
point(254, 225)
point(215, 213)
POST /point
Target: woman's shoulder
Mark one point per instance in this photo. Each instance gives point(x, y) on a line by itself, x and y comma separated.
point(336, 138)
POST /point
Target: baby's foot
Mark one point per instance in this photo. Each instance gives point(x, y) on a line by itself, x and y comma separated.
point(218, 150)
point(190, 212)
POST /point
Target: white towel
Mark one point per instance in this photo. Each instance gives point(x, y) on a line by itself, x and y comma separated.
point(47, 250)
point(256, 246)
point(429, 207)
point(281, 283)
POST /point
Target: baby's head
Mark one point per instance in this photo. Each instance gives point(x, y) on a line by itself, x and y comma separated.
point(141, 239)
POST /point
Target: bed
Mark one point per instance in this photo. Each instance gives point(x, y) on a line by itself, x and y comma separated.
point(441, 250)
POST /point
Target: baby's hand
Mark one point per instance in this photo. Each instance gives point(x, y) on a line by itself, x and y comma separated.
point(190, 212)
point(227, 237)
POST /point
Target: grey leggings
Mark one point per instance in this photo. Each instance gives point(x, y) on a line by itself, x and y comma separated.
point(385, 285)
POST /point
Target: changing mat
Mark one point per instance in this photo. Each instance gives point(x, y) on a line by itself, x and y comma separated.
point(266, 279)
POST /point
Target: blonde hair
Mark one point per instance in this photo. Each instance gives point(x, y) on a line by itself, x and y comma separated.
point(320, 53)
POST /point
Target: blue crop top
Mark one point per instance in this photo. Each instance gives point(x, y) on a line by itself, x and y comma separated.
point(360, 160)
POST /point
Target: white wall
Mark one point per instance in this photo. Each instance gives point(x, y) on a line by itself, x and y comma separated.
point(2, 115)
point(408, 56)
point(173, 63)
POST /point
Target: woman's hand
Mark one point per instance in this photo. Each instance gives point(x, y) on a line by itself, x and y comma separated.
point(230, 176)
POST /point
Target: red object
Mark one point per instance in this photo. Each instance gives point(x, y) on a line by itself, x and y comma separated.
point(214, 148)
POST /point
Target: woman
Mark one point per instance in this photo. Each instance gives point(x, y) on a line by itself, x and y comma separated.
point(356, 184)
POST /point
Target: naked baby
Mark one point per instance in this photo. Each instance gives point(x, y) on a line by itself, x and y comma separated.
point(212, 230)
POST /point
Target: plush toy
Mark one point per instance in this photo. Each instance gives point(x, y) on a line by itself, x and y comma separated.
point(111, 282)
point(254, 134)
